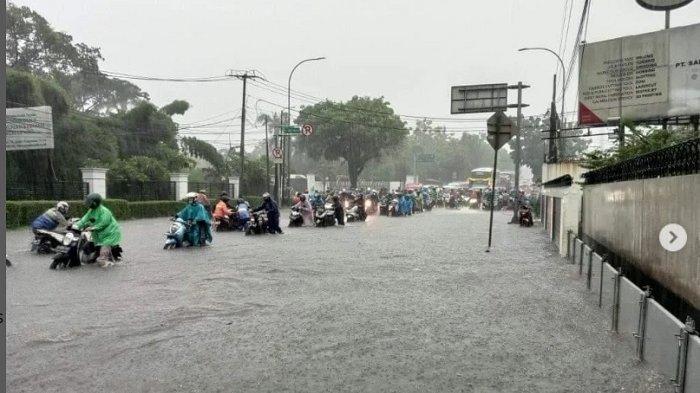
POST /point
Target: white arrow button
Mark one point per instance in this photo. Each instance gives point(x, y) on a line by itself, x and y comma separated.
point(673, 237)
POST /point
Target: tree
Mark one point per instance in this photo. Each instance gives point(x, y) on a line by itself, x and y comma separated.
point(357, 131)
point(32, 45)
point(532, 145)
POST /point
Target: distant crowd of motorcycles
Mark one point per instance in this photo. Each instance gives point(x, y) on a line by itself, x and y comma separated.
point(55, 232)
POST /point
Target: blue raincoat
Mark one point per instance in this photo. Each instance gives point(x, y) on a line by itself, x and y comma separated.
point(196, 213)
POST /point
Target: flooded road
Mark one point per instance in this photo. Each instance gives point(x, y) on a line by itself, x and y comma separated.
point(393, 305)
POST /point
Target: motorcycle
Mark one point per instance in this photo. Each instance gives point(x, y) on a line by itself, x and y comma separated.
point(46, 241)
point(77, 248)
point(176, 234)
point(257, 224)
point(325, 216)
point(525, 216)
point(393, 210)
point(295, 218)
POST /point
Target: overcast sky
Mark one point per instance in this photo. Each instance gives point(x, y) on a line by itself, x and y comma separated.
point(409, 51)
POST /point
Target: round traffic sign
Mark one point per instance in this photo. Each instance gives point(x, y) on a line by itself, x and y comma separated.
point(307, 129)
point(277, 152)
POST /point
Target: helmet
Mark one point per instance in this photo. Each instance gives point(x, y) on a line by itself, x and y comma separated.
point(240, 200)
point(225, 198)
point(302, 197)
point(62, 207)
point(266, 195)
point(191, 195)
point(93, 200)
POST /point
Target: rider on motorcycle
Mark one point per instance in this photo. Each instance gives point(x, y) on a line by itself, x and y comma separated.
point(200, 232)
point(54, 219)
point(307, 212)
point(105, 229)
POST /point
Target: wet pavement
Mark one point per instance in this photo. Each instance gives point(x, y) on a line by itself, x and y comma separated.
point(392, 305)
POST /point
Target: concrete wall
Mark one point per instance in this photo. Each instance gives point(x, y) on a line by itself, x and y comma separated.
point(570, 214)
point(626, 217)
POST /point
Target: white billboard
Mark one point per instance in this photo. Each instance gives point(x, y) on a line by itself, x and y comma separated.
point(29, 128)
point(642, 77)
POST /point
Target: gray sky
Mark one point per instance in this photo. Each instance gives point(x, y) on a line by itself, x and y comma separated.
point(408, 51)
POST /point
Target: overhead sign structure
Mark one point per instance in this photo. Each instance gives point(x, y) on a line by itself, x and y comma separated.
point(277, 155)
point(663, 5)
point(499, 130)
point(641, 77)
point(425, 158)
point(290, 130)
point(479, 98)
point(29, 128)
point(307, 129)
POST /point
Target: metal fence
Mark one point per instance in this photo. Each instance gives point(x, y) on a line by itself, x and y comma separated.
point(47, 190)
point(660, 339)
point(679, 159)
point(141, 191)
point(211, 189)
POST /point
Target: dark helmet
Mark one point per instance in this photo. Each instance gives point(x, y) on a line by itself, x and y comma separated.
point(225, 198)
point(302, 197)
point(240, 200)
point(93, 200)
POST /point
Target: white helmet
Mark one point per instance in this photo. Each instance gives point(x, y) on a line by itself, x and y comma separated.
point(62, 206)
point(191, 195)
point(266, 195)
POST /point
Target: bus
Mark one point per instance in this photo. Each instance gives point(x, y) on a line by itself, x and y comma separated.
point(481, 177)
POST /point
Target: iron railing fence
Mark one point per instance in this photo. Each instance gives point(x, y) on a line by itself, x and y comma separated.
point(51, 190)
point(680, 159)
point(141, 191)
point(212, 190)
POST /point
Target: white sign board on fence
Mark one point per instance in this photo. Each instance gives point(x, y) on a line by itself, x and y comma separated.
point(642, 77)
point(29, 128)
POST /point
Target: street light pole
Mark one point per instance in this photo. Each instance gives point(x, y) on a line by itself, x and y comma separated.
point(563, 75)
point(287, 153)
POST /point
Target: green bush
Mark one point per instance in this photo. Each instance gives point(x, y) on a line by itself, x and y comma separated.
point(254, 200)
point(150, 209)
point(22, 213)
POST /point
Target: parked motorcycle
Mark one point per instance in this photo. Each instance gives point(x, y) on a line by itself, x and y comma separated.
point(257, 224)
point(325, 216)
point(295, 218)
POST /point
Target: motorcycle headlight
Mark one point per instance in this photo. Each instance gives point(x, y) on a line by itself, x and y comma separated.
point(68, 239)
point(368, 204)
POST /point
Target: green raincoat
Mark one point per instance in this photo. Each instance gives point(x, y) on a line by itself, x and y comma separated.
point(106, 231)
point(196, 212)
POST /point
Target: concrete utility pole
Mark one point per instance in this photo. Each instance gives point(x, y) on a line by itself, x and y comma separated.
point(243, 76)
point(267, 159)
point(518, 124)
point(553, 153)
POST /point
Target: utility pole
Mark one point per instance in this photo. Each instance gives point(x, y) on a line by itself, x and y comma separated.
point(244, 77)
point(267, 159)
point(553, 140)
point(518, 124)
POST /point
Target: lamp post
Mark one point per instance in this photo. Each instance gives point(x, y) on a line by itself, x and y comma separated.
point(289, 115)
point(563, 74)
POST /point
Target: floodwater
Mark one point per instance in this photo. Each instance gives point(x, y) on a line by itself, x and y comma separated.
point(392, 305)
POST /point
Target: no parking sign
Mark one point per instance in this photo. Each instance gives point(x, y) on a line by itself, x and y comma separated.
point(307, 129)
point(276, 155)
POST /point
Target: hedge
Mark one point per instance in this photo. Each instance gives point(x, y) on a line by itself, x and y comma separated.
point(22, 213)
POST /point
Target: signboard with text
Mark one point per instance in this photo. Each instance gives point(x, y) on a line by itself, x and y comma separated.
point(642, 77)
point(290, 130)
point(29, 128)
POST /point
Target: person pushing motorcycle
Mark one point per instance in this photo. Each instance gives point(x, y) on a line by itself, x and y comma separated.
point(54, 219)
point(106, 233)
point(273, 213)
